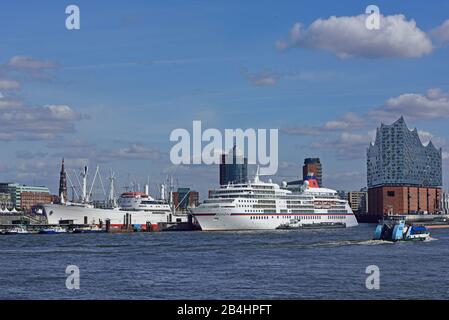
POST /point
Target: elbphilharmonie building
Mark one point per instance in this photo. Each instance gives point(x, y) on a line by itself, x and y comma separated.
point(404, 175)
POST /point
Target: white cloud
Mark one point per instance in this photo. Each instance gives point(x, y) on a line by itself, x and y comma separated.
point(348, 37)
point(445, 155)
point(37, 123)
point(425, 136)
point(30, 63)
point(432, 105)
point(441, 33)
point(19, 120)
point(62, 112)
point(348, 120)
point(9, 103)
point(302, 131)
point(135, 151)
point(6, 84)
point(30, 67)
point(347, 145)
point(336, 125)
point(262, 78)
point(350, 138)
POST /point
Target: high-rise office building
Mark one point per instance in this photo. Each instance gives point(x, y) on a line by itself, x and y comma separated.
point(404, 176)
point(233, 167)
point(313, 165)
point(358, 200)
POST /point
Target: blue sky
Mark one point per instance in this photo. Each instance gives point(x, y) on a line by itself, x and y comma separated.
point(137, 70)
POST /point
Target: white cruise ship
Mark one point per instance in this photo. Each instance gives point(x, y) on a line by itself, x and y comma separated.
point(259, 205)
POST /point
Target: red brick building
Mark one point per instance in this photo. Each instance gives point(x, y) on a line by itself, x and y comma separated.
point(185, 198)
point(30, 199)
point(404, 175)
point(403, 200)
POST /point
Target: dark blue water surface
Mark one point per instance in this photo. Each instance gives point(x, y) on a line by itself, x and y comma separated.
point(323, 264)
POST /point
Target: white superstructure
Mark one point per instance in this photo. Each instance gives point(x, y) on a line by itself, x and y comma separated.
point(259, 205)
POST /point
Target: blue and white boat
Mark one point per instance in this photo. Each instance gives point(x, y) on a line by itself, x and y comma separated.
point(395, 229)
point(17, 230)
point(53, 230)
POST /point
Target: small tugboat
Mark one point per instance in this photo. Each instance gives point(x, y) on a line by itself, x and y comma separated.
point(89, 229)
point(292, 224)
point(395, 229)
point(53, 230)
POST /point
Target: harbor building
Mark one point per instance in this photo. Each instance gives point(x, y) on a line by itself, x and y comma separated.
point(30, 199)
point(358, 200)
point(445, 202)
point(313, 165)
point(5, 200)
point(184, 199)
point(233, 167)
point(24, 196)
point(404, 176)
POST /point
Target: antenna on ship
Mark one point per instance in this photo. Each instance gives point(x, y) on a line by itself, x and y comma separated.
point(256, 177)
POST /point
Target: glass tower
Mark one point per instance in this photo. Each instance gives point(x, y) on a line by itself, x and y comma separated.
point(398, 157)
point(233, 168)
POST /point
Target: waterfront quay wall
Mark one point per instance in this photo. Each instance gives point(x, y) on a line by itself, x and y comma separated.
point(443, 218)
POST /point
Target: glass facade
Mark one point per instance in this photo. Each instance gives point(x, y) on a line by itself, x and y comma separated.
point(15, 190)
point(398, 157)
point(233, 168)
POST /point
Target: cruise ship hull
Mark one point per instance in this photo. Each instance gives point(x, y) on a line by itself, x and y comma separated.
point(239, 221)
point(56, 213)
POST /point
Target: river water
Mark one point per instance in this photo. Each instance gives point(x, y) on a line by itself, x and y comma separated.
point(287, 264)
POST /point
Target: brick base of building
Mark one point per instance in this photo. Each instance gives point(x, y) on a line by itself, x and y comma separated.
point(384, 200)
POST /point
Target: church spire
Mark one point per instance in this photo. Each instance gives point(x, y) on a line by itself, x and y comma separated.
point(62, 183)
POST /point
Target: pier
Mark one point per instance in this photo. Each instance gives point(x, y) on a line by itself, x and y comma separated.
point(34, 224)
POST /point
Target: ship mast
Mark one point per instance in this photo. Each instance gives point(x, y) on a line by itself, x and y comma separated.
point(111, 197)
point(84, 196)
